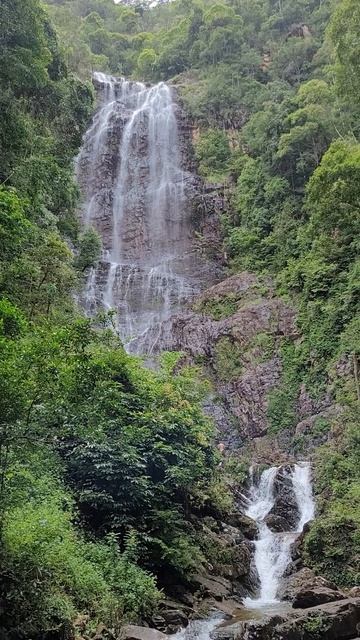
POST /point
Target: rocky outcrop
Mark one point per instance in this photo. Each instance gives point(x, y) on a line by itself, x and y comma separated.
point(304, 589)
point(235, 329)
point(215, 587)
point(333, 621)
point(285, 509)
point(246, 525)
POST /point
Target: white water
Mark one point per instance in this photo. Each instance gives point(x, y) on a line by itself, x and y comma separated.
point(273, 550)
point(130, 170)
point(199, 629)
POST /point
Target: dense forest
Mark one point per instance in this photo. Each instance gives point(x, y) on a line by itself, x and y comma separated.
point(104, 462)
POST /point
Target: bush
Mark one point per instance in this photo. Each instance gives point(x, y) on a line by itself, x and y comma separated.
point(50, 573)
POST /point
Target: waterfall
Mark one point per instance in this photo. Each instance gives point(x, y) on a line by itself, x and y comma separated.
point(135, 192)
point(273, 550)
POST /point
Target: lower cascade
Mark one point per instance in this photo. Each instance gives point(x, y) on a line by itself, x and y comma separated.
point(134, 190)
point(273, 549)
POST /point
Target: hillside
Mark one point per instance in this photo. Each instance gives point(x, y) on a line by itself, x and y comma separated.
point(120, 483)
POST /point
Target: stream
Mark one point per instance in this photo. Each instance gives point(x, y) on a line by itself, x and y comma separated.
point(272, 549)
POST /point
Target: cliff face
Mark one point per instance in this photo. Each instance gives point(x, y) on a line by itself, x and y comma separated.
point(140, 192)
point(162, 247)
point(237, 331)
point(234, 330)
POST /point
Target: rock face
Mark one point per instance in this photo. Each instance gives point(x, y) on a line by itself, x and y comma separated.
point(138, 192)
point(333, 621)
point(234, 328)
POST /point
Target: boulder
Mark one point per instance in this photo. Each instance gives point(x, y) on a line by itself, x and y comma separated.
point(313, 597)
point(134, 632)
point(304, 589)
point(285, 505)
point(354, 592)
point(276, 523)
point(246, 525)
point(331, 621)
point(215, 587)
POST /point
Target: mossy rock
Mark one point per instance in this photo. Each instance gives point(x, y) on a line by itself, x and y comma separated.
point(227, 359)
point(219, 307)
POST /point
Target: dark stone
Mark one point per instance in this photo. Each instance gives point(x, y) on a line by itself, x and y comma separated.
point(332, 621)
point(246, 525)
point(285, 504)
point(175, 617)
point(276, 523)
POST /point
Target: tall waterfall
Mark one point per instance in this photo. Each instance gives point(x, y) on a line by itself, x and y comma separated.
point(135, 193)
point(272, 550)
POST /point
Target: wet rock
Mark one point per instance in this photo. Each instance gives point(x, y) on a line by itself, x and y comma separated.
point(276, 523)
point(285, 504)
point(246, 525)
point(332, 621)
point(304, 589)
point(172, 616)
point(175, 618)
point(158, 622)
point(134, 632)
point(354, 592)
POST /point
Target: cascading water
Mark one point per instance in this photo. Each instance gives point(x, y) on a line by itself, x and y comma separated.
point(135, 194)
point(272, 550)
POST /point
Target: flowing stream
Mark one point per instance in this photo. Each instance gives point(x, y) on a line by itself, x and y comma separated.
point(135, 193)
point(273, 550)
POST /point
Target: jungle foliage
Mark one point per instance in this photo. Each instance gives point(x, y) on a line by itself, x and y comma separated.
point(102, 461)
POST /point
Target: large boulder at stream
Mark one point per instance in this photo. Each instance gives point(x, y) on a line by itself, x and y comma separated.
point(332, 621)
point(304, 589)
point(135, 632)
